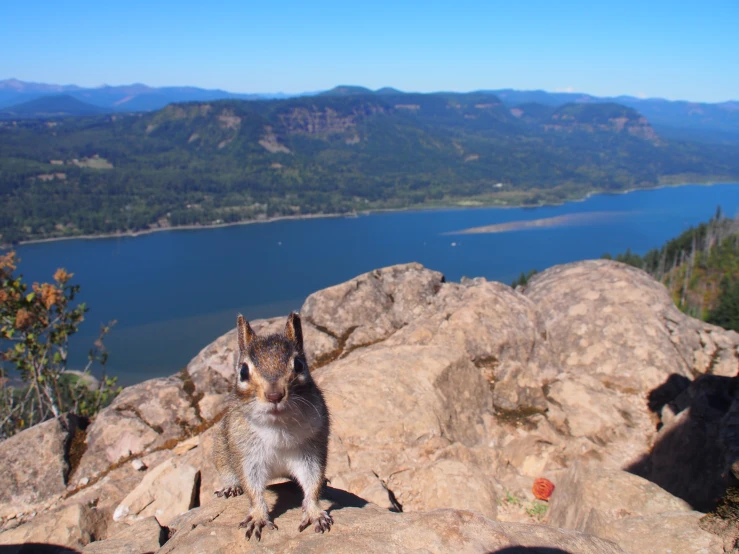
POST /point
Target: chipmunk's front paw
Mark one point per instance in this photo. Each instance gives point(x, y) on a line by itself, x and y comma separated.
point(228, 492)
point(322, 521)
point(254, 524)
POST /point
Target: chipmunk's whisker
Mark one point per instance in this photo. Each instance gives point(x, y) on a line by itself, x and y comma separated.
point(304, 401)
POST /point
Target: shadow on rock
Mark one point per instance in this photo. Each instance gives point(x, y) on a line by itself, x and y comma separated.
point(666, 395)
point(36, 548)
point(698, 439)
point(530, 550)
point(290, 495)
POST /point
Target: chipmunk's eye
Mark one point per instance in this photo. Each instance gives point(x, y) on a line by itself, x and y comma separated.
point(299, 365)
point(244, 373)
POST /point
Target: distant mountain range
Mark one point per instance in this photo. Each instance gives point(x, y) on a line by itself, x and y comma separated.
point(680, 120)
point(62, 105)
point(125, 98)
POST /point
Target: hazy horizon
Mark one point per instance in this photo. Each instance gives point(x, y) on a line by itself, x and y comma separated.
point(660, 49)
point(311, 92)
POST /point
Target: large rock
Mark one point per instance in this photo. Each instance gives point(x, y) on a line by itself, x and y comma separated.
point(432, 374)
point(499, 332)
point(665, 533)
point(163, 404)
point(201, 457)
point(529, 383)
point(144, 417)
point(445, 483)
point(112, 437)
point(617, 337)
point(35, 465)
point(454, 395)
point(362, 527)
point(168, 490)
point(371, 307)
point(436, 397)
point(584, 492)
point(145, 536)
point(72, 526)
point(631, 511)
point(107, 492)
point(618, 324)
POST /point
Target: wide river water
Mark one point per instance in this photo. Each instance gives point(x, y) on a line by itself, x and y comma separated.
point(174, 292)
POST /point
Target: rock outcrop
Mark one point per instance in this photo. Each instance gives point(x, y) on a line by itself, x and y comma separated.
point(363, 527)
point(144, 536)
point(631, 511)
point(151, 415)
point(448, 400)
point(72, 526)
point(167, 491)
point(618, 336)
point(36, 465)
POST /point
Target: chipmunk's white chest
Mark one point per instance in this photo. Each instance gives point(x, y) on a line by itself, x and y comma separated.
point(277, 438)
point(279, 449)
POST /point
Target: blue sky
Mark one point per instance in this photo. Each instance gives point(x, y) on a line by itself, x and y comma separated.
point(675, 49)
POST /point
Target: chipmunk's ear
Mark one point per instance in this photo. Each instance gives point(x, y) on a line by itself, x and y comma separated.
point(294, 330)
point(244, 332)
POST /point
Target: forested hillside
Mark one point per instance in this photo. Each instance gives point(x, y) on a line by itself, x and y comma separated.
point(701, 270)
point(679, 119)
point(233, 160)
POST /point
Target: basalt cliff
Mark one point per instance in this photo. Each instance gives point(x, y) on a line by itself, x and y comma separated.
point(448, 401)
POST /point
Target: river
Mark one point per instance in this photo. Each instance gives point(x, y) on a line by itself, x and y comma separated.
point(174, 292)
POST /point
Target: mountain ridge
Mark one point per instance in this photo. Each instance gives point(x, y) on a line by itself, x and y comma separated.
point(133, 97)
point(716, 123)
point(225, 161)
point(62, 105)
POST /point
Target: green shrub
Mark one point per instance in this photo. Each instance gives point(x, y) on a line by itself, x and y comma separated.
point(35, 328)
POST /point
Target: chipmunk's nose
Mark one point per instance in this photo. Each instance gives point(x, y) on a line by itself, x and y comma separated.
point(275, 397)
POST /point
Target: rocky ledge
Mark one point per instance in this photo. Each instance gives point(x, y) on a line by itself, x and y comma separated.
point(448, 400)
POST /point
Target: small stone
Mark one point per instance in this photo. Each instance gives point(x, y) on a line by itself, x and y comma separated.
point(186, 446)
point(120, 513)
point(84, 482)
point(138, 465)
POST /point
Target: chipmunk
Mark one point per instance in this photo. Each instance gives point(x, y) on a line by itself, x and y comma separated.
point(276, 425)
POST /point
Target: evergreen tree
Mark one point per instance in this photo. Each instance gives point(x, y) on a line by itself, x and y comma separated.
point(726, 314)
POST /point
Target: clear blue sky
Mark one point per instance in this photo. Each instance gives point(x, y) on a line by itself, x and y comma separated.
point(672, 49)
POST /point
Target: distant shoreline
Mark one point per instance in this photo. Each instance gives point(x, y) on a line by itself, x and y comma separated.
point(200, 227)
point(193, 227)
